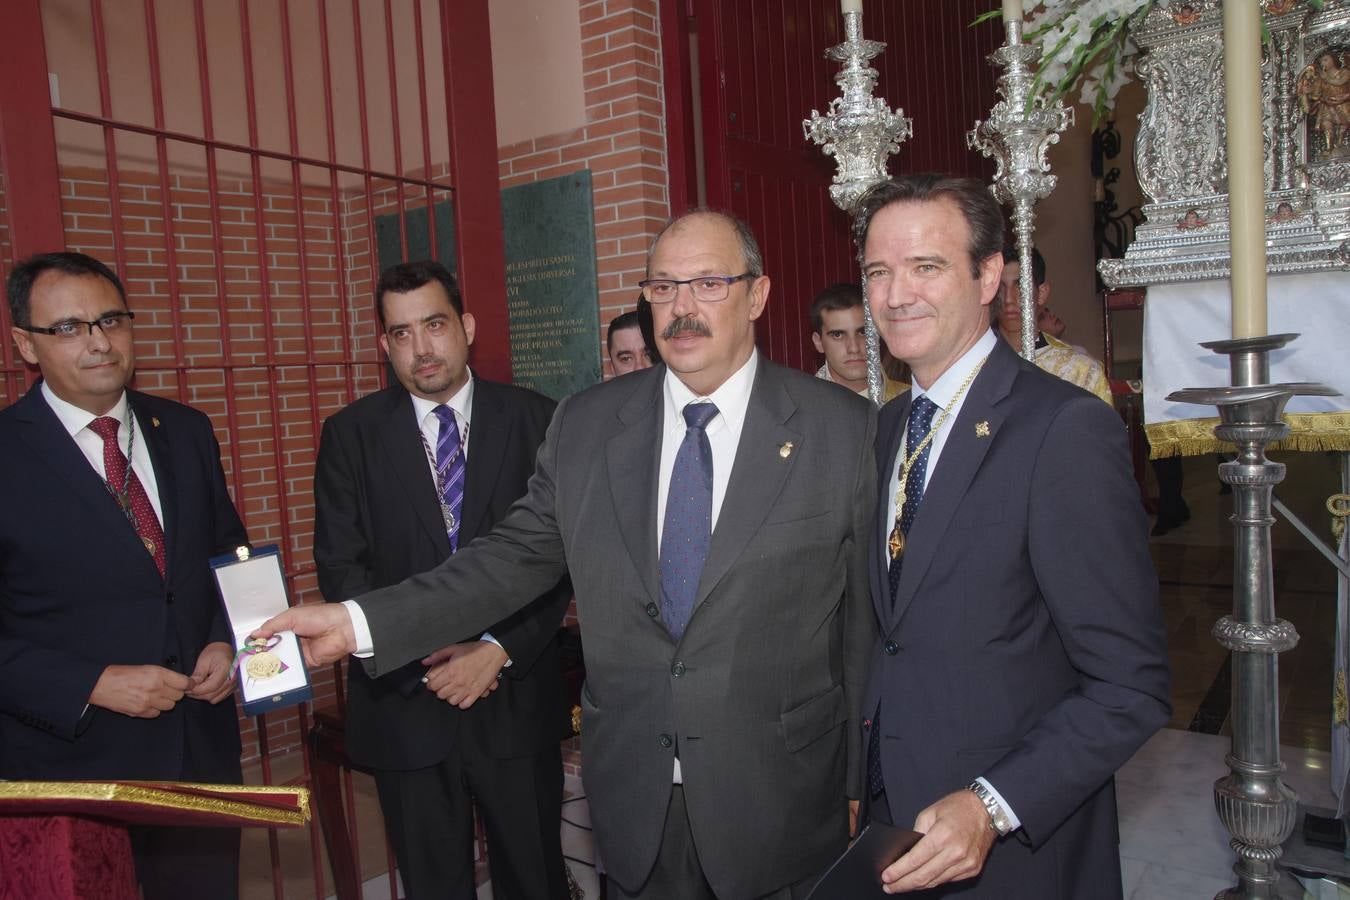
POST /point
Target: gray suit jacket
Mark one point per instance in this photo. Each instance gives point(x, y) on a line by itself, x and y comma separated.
point(761, 696)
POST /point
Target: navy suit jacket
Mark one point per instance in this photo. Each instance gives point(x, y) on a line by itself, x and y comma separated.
point(1026, 643)
point(78, 593)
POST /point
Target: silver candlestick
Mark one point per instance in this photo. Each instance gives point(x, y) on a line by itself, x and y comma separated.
point(1254, 804)
point(861, 132)
point(1017, 136)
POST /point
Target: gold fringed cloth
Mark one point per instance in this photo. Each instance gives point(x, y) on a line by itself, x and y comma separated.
point(67, 840)
point(1177, 317)
point(1308, 433)
point(160, 802)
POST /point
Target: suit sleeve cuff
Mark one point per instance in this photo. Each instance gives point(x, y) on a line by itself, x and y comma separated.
point(487, 636)
point(365, 645)
point(1012, 816)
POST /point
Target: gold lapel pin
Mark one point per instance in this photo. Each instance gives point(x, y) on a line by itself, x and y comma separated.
point(154, 420)
point(982, 429)
point(786, 450)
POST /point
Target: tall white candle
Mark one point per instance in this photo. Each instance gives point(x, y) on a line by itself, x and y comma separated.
point(1246, 165)
point(1012, 9)
point(848, 6)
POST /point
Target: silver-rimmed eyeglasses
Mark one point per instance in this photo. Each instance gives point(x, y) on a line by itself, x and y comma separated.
point(74, 329)
point(705, 288)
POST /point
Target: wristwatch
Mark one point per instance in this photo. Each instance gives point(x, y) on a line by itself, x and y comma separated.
point(998, 816)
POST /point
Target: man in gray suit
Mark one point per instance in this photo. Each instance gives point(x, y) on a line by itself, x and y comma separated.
point(711, 512)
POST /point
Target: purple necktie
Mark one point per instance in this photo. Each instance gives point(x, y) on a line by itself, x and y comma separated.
point(450, 472)
point(688, 525)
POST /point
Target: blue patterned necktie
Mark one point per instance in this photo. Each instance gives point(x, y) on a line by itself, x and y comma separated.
point(921, 414)
point(687, 530)
point(920, 420)
point(450, 472)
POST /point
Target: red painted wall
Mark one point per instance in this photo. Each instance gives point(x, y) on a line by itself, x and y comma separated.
point(763, 70)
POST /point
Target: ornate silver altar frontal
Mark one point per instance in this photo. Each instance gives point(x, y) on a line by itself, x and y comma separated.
point(1181, 157)
point(1017, 136)
point(861, 132)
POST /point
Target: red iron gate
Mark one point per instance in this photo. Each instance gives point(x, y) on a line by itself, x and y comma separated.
point(229, 159)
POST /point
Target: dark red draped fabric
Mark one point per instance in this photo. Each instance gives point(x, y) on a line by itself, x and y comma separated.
point(65, 858)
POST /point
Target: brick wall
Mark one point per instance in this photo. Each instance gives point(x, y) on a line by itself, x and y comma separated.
point(623, 143)
point(269, 365)
point(11, 376)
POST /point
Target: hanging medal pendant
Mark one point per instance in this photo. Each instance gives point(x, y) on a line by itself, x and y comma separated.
point(263, 665)
point(149, 545)
point(896, 542)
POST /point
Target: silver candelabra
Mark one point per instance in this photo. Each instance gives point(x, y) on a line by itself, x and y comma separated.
point(861, 132)
point(1254, 804)
point(1017, 136)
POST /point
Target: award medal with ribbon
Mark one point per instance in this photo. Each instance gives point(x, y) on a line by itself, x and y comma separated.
point(258, 661)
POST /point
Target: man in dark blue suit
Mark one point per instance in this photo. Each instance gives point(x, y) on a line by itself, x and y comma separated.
point(115, 657)
point(1022, 656)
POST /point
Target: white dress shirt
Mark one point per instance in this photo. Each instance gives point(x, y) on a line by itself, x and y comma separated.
point(76, 421)
point(943, 393)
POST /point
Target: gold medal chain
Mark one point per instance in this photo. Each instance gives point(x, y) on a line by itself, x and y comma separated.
point(896, 541)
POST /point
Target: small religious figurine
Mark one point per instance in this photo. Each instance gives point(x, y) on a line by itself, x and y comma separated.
point(1191, 220)
point(1324, 93)
point(1185, 14)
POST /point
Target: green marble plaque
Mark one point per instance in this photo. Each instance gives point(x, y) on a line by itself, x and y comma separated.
point(551, 288)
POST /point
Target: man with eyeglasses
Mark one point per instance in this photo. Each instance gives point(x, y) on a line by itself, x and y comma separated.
point(712, 512)
point(116, 661)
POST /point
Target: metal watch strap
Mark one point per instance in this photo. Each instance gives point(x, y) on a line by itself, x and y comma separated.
point(998, 817)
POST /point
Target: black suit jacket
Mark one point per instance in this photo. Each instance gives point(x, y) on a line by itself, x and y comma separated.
point(1026, 642)
point(377, 522)
point(78, 593)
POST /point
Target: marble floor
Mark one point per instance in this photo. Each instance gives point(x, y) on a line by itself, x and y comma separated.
point(1172, 844)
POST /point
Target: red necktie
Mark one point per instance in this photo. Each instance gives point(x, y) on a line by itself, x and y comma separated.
point(136, 499)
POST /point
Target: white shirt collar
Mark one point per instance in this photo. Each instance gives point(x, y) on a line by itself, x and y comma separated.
point(461, 403)
point(73, 418)
point(943, 391)
point(731, 398)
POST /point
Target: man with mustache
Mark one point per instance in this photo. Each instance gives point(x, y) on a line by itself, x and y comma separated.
point(405, 478)
point(711, 512)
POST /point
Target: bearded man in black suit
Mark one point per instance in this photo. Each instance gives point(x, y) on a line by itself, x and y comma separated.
point(406, 477)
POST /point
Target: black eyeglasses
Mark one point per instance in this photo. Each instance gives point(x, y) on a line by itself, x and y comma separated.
point(74, 329)
point(707, 288)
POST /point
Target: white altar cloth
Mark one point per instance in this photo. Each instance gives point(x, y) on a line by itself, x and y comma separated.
point(1177, 317)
